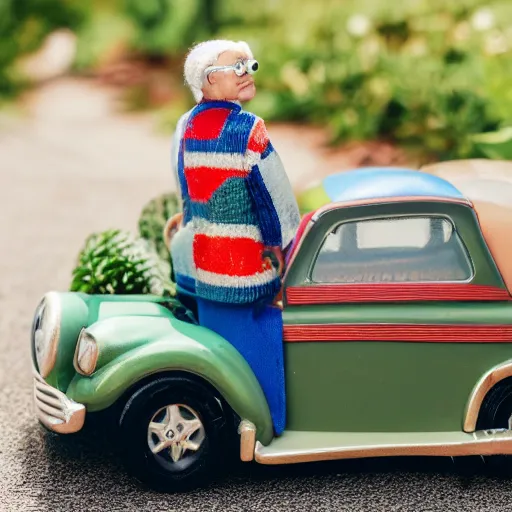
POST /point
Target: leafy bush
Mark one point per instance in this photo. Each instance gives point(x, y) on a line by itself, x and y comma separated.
point(153, 218)
point(24, 24)
point(425, 73)
point(495, 145)
point(117, 262)
point(103, 33)
point(416, 72)
point(164, 27)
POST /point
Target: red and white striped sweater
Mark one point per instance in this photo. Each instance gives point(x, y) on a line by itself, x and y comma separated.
point(239, 201)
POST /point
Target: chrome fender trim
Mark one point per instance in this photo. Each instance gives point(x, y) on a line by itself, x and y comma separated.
point(491, 378)
point(247, 431)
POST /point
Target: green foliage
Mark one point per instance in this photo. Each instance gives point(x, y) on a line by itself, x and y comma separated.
point(415, 72)
point(23, 26)
point(153, 219)
point(168, 26)
point(103, 31)
point(117, 262)
point(495, 145)
point(424, 73)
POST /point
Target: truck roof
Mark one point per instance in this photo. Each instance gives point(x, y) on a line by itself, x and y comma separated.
point(386, 182)
point(484, 185)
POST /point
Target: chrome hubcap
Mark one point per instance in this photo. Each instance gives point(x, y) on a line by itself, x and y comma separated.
point(176, 430)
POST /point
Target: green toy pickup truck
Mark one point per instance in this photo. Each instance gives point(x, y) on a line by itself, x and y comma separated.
point(397, 332)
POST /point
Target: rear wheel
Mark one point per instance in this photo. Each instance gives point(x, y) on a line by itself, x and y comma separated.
point(172, 434)
point(496, 413)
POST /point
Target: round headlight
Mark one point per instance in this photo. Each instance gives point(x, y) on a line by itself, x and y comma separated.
point(86, 354)
point(45, 332)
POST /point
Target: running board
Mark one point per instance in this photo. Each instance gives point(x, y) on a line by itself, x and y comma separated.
point(294, 446)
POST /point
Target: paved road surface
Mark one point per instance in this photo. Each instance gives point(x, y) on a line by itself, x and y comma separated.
point(75, 167)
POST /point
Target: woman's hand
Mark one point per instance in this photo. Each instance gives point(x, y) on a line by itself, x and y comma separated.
point(172, 227)
point(275, 255)
point(278, 299)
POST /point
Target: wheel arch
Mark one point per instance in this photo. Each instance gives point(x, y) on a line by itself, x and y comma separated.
point(125, 397)
point(483, 387)
point(218, 364)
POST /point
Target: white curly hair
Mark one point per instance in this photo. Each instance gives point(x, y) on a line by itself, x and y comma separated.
point(206, 54)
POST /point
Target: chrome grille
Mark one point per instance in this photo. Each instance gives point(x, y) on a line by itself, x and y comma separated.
point(55, 410)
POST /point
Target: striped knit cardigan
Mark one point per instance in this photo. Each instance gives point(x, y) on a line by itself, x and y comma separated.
point(181, 244)
point(239, 201)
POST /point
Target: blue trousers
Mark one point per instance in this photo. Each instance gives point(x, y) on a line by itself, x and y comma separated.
point(256, 331)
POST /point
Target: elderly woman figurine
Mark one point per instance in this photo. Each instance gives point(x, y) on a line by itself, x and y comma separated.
point(240, 207)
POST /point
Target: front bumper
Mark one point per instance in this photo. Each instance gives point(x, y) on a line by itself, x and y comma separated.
point(55, 410)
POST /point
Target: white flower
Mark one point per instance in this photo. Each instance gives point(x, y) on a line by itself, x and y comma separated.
point(358, 25)
point(482, 19)
point(496, 44)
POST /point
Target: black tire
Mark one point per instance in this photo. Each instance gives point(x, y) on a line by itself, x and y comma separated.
point(495, 413)
point(159, 471)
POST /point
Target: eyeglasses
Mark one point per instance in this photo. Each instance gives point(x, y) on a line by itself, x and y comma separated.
point(240, 68)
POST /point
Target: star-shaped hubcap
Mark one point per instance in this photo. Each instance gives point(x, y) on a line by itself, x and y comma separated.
point(175, 432)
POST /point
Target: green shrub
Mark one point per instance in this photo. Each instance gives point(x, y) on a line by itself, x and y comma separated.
point(117, 262)
point(24, 24)
point(153, 219)
point(165, 27)
point(414, 72)
point(495, 145)
point(424, 73)
point(102, 32)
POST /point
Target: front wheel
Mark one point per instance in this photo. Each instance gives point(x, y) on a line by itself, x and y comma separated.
point(172, 434)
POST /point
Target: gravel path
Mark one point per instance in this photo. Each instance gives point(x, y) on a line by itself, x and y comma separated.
point(72, 167)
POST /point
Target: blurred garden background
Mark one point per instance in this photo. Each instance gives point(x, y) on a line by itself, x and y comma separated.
point(426, 76)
